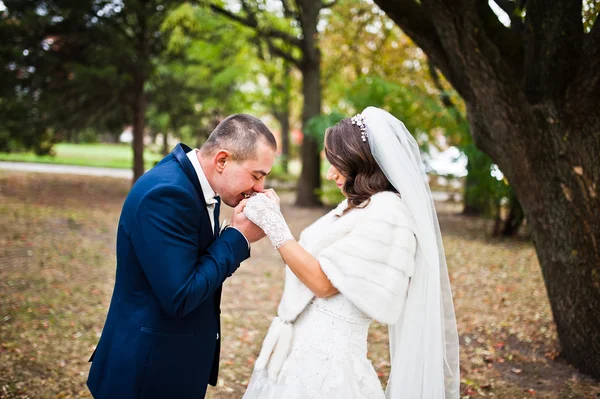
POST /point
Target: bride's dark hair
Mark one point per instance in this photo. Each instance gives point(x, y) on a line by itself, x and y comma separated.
point(346, 151)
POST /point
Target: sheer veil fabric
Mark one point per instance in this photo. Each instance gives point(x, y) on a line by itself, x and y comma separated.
point(424, 342)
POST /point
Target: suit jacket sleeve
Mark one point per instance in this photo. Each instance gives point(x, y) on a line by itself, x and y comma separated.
point(165, 239)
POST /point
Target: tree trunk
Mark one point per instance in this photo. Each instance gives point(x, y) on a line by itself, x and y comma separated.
point(515, 217)
point(285, 142)
point(497, 220)
point(139, 110)
point(549, 153)
point(310, 177)
point(283, 117)
point(473, 204)
point(549, 150)
point(477, 199)
point(562, 204)
point(165, 143)
point(550, 156)
point(532, 96)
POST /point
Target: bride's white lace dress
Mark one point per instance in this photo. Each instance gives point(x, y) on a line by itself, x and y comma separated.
point(327, 359)
point(317, 347)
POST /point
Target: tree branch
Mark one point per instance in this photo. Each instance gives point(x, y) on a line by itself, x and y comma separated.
point(444, 97)
point(251, 22)
point(328, 4)
point(275, 50)
point(288, 12)
point(508, 42)
point(482, 136)
point(250, 12)
point(510, 7)
point(244, 21)
point(554, 42)
point(591, 47)
point(507, 6)
point(584, 94)
point(412, 19)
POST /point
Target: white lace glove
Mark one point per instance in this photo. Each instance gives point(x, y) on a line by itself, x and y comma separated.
point(266, 214)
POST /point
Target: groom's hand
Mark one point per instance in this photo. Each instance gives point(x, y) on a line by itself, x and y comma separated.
point(272, 195)
point(251, 231)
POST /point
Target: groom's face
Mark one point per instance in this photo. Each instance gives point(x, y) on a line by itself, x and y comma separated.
point(242, 179)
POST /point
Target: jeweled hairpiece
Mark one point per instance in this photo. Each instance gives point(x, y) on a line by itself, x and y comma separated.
point(359, 121)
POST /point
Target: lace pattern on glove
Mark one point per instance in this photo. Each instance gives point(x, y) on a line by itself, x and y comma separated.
point(266, 214)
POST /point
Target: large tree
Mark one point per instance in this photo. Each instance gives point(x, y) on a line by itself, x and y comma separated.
point(197, 82)
point(94, 58)
point(291, 33)
point(231, 71)
point(532, 91)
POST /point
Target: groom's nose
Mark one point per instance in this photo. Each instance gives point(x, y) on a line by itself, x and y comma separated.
point(259, 186)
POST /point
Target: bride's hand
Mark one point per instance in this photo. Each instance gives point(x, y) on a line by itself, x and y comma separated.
point(265, 213)
point(261, 210)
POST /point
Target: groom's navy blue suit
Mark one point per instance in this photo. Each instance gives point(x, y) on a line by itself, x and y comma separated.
point(162, 333)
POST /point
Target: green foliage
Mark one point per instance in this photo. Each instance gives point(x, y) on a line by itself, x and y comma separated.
point(589, 12)
point(316, 126)
point(330, 193)
point(199, 79)
point(420, 111)
point(75, 66)
point(23, 106)
point(93, 57)
point(483, 190)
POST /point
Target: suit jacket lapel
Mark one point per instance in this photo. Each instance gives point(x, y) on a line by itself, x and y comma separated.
point(180, 153)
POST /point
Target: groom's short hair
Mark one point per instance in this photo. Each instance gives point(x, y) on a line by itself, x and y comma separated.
point(240, 135)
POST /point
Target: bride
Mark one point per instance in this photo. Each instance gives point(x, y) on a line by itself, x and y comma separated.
point(377, 256)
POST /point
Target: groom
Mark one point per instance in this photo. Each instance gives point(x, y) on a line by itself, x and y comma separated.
point(162, 337)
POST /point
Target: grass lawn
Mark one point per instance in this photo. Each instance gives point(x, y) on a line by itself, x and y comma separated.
point(105, 155)
point(57, 241)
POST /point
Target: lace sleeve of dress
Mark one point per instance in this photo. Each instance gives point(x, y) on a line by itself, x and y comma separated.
point(266, 214)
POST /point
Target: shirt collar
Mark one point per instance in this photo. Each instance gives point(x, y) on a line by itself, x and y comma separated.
point(207, 190)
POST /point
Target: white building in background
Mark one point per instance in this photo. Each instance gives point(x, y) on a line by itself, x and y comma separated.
point(448, 162)
point(127, 135)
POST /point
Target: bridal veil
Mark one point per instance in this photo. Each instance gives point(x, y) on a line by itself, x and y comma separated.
point(424, 342)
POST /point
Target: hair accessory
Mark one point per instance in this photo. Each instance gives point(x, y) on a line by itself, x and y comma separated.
point(359, 121)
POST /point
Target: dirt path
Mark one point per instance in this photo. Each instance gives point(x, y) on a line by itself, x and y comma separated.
point(65, 169)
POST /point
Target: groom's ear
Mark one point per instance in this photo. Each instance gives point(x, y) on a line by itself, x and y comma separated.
point(221, 159)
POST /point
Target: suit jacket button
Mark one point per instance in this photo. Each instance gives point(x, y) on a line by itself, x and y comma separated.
point(217, 335)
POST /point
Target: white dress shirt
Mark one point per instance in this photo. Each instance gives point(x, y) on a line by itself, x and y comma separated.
point(207, 190)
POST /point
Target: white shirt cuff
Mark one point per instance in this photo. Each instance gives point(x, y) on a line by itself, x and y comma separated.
point(231, 227)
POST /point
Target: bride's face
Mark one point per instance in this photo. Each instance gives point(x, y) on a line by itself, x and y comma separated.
point(335, 175)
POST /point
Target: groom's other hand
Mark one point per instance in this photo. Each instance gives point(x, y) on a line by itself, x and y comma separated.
point(272, 195)
point(239, 220)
